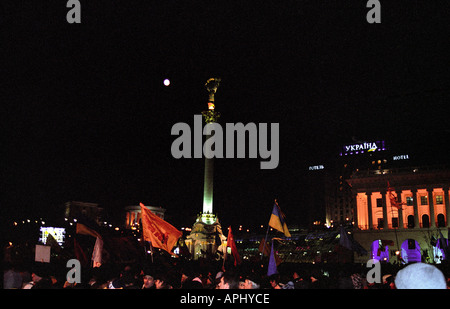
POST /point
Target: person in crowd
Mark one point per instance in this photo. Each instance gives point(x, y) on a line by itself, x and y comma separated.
point(299, 280)
point(219, 275)
point(190, 279)
point(389, 282)
point(161, 282)
point(228, 281)
point(115, 284)
point(168, 273)
point(357, 281)
point(36, 276)
point(420, 276)
point(251, 282)
point(11, 277)
point(149, 282)
point(275, 281)
point(241, 283)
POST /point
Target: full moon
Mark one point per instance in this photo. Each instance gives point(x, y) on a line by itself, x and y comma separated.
point(166, 82)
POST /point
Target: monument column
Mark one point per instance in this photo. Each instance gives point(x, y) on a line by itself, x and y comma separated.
point(206, 236)
point(210, 116)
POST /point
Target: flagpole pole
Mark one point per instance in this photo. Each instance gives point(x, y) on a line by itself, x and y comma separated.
point(225, 254)
point(399, 205)
point(265, 241)
point(224, 257)
point(267, 234)
point(151, 250)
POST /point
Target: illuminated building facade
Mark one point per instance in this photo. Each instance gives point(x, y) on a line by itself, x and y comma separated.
point(356, 157)
point(133, 215)
point(410, 231)
point(75, 209)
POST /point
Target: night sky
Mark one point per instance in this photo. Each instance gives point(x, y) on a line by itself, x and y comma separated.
point(86, 117)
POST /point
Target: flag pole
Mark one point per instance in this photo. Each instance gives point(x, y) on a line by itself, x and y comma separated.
point(151, 250)
point(397, 204)
point(265, 241)
point(267, 234)
point(224, 258)
point(225, 254)
point(141, 227)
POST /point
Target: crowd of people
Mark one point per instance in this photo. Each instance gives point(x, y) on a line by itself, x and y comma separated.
point(204, 274)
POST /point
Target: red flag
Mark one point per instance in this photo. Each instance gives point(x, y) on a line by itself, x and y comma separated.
point(162, 234)
point(79, 253)
point(232, 245)
point(394, 201)
point(264, 247)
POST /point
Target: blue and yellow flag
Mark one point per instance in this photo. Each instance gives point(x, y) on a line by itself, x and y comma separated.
point(277, 220)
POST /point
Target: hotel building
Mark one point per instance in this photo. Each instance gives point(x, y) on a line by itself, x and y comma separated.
point(410, 232)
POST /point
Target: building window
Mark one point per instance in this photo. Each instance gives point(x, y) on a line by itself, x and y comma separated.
point(394, 222)
point(409, 201)
point(379, 202)
point(439, 199)
point(425, 221)
point(424, 200)
point(441, 220)
point(380, 223)
point(411, 244)
point(410, 221)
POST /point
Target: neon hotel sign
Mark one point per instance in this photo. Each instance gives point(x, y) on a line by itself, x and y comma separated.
point(362, 148)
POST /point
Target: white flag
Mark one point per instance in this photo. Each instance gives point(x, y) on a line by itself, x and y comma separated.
point(97, 253)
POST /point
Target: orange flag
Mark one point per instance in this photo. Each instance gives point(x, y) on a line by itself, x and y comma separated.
point(162, 234)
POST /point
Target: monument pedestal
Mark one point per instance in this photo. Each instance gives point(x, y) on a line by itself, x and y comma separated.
point(206, 238)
